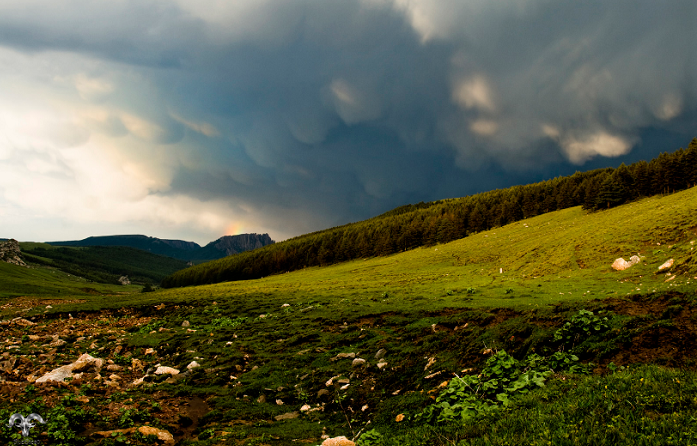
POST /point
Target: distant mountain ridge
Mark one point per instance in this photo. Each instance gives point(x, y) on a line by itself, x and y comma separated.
point(178, 249)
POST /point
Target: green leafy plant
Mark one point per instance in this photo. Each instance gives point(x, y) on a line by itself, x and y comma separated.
point(370, 438)
point(223, 322)
point(582, 325)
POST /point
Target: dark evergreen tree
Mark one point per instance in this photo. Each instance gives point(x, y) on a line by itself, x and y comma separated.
point(611, 193)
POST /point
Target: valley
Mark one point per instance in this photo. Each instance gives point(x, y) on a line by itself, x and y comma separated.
point(451, 344)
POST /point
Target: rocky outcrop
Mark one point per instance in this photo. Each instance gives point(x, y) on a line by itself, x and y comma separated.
point(10, 253)
point(621, 264)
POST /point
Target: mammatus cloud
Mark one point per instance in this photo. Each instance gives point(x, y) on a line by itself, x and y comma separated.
point(287, 117)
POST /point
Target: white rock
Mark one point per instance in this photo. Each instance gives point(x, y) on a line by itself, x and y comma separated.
point(193, 364)
point(338, 441)
point(162, 370)
point(83, 362)
point(621, 264)
point(666, 265)
point(358, 362)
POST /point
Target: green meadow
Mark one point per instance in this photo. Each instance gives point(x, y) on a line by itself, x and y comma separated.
point(522, 334)
point(560, 257)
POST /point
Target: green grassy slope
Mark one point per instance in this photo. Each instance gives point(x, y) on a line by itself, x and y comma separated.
point(560, 256)
point(45, 281)
point(104, 264)
point(426, 224)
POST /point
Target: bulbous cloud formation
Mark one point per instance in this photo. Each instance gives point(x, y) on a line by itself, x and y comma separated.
point(186, 118)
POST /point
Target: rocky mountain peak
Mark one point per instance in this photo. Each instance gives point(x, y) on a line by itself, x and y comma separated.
point(10, 253)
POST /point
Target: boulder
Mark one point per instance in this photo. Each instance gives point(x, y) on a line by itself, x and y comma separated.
point(343, 356)
point(358, 362)
point(287, 416)
point(161, 434)
point(666, 266)
point(621, 264)
point(166, 371)
point(83, 364)
point(338, 441)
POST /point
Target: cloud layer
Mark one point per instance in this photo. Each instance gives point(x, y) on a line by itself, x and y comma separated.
point(192, 119)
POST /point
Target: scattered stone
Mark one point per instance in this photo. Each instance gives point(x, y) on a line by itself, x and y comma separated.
point(82, 364)
point(285, 305)
point(166, 371)
point(431, 361)
point(113, 367)
point(186, 324)
point(382, 364)
point(669, 279)
point(621, 264)
point(161, 434)
point(323, 393)
point(160, 307)
point(666, 265)
point(380, 354)
point(34, 337)
point(137, 364)
point(192, 365)
point(338, 441)
point(399, 418)
point(287, 416)
point(57, 343)
point(261, 399)
point(124, 280)
point(305, 408)
point(432, 375)
point(22, 322)
point(343, 356)
point(149, 351)
point(358, 362)
point(279, 402)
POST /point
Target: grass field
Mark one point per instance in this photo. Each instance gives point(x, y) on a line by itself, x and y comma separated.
point(35, 281)
point(268, 347)
point(564, 256)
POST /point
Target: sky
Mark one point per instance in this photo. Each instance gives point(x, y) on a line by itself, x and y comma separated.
point(193, 119)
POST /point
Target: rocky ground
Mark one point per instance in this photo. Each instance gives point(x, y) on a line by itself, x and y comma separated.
point(142, 376)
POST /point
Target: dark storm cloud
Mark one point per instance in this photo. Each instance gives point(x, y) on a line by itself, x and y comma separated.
point(335, 111)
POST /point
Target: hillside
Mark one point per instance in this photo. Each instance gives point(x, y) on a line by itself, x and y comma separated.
point(178, 249)
point(16, 281)
point(425, 224)
point(104, 264)
point(418, 348)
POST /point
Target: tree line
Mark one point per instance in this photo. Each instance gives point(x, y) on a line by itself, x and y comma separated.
point(424, 224)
